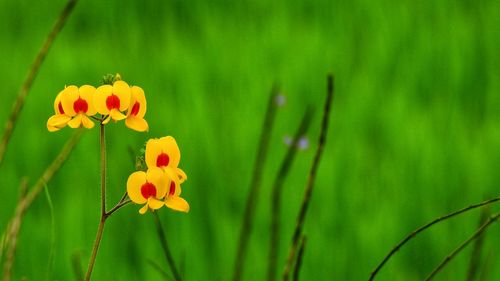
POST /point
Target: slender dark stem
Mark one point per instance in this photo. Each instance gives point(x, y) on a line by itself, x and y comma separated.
point(253, 194)
point(164, 245)
point(424, 227)
point(477, 234)
point(102, 220)
point(117, 206)
point(310, 181)
point(25, 88)
point(300, 256)
point(276, 195)
point(475, 258)
point(103, 170)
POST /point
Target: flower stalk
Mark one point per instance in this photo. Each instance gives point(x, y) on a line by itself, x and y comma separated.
point(102, 221)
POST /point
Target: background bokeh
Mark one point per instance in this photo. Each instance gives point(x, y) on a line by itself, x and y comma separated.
point(414, 132)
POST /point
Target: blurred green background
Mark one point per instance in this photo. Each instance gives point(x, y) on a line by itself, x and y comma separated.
point(414, 131)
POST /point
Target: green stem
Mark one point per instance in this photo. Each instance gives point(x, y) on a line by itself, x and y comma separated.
point(164, 245)
point(104, 216)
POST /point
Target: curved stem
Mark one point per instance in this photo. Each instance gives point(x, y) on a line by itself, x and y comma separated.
point(422, 228)
point(102, 221)
point(476, 234)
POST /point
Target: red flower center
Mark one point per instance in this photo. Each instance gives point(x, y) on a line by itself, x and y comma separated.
point(135, 109)
point(148, 189)
point(113, 102)
point(171, 191)
point(80, 105)
point(162, 160)
point(61, 110)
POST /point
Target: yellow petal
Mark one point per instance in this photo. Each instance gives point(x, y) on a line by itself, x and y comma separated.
point(143, 210)
point(106, 121)
point(87, 93)
point(116, 115)
point(76, 122)
point(169, 146)
point(155, 204)
point(153, 149)
point(57, 122)
point(100, 96)
point(87, 123)
point(134, 184)
point(137, 97)
point(137, 124)
point(158, 179)
point(122, 90)
point(68, 98)
point(177, 203)
point(182, 176)
point(58, 104)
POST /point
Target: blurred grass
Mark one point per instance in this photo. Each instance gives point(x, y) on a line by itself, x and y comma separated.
point(414, 131)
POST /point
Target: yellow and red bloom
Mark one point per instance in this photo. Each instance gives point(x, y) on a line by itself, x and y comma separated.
point(173, 199)
point(60, 119)
point(78, 103)
point(165, 154)
point(137, 110)
point(147, 188)
point(113, 100)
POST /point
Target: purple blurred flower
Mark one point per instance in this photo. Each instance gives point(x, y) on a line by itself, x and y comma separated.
point(280, 99)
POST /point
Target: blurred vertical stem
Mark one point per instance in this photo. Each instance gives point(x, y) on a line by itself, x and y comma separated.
point(15, 223)
point(260, 160)
point(310, 180)
point(300, 256)
point(475, 259)
point(13, 231)
point(102, 221)
point(25, 88)
point(276, 195)
point(164, 245)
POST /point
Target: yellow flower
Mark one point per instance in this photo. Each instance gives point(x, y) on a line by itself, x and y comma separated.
point(79, 104)
point(164, 153)
point(137, 110)
point(60, 119)
point(147, 188)
point(173, 199)
point(112, 100)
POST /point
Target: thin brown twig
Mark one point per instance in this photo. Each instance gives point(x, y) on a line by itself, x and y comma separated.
point(253, 194)
point(13, 232)
point(477, 234)
point(300, 256)
point(25, 88)
point(276, 195)
point(310, 181)
point(166, 250)
point(426, 226)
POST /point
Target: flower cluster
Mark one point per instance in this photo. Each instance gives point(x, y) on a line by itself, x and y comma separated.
point(76, 107)
point(161, 184)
